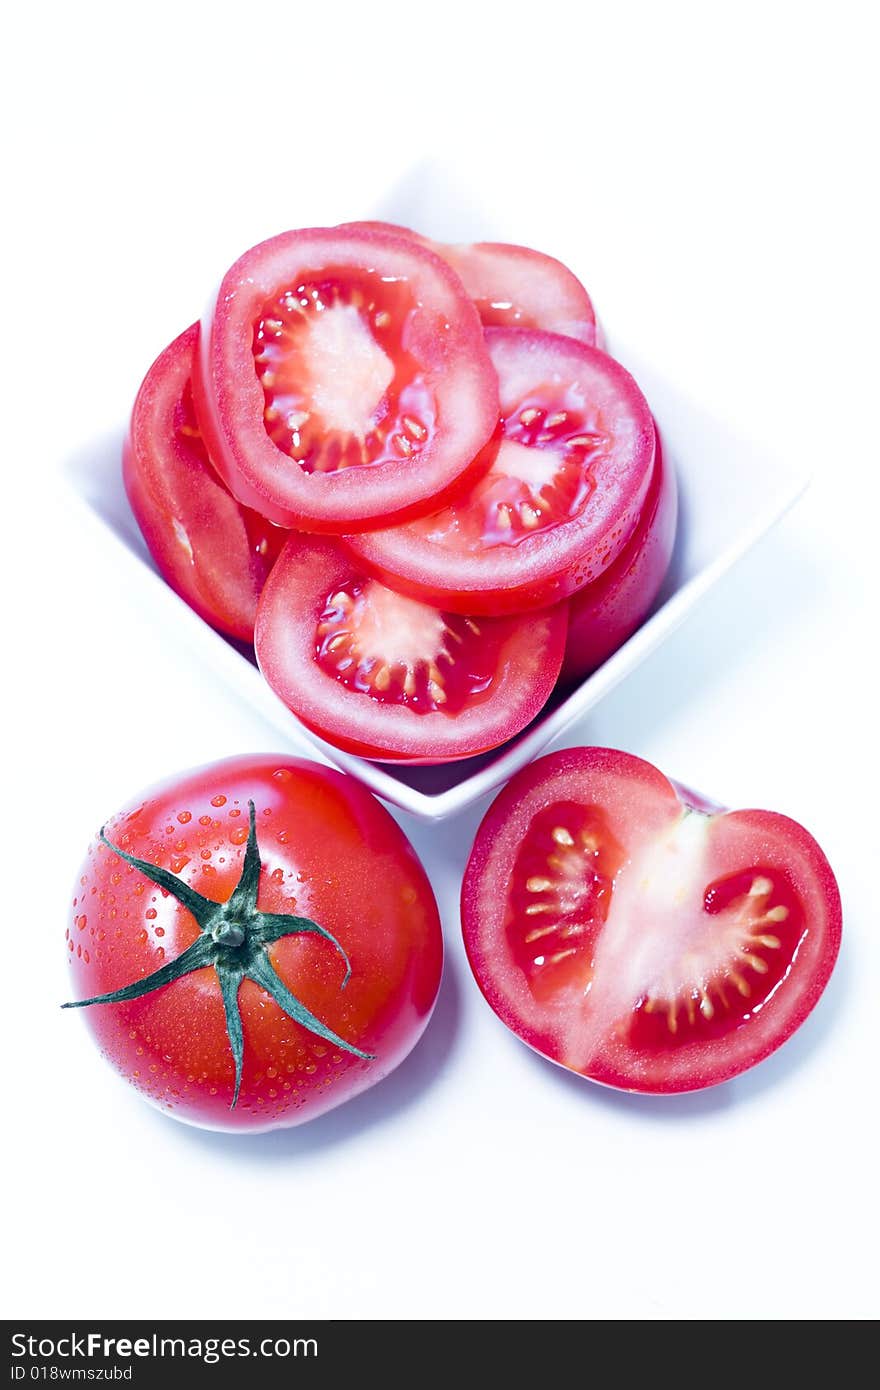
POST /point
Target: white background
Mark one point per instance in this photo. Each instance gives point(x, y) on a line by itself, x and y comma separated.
point(710, 173)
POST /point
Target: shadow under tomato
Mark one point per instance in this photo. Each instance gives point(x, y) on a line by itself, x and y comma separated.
point(406, 1084)
point(773, 1071)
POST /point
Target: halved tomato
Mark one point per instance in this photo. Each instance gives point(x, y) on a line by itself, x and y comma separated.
point(213, 552)
point(633, 937)
point(387, 677)
point(558, 502)
point(608, 611)
point(343, 381)
point(513, 286)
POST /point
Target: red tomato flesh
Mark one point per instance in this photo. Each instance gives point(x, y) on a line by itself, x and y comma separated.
point(212, 551)
point(329, 852)
point(383, 675)
point(636, 939)
point(604, 614)
point(558, 503)
point(343, 381)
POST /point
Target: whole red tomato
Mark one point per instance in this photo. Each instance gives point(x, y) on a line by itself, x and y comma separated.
point(256, 942)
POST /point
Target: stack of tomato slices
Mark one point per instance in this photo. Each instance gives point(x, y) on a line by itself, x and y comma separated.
point(410, 475)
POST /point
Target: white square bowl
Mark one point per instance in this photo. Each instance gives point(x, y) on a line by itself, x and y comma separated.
point(729, 495)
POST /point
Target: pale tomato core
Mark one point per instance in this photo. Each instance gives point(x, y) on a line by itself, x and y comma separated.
point(658, 951)
point(346, 371)
point(399, 651)
point(340, 388)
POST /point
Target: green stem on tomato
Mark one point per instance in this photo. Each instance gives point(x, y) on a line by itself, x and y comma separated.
point(234, 940)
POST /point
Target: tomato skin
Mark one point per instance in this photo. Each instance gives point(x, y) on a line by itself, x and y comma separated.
point(429, 558)
point(526, 661)
point(329, 851)
point(605, 613)
point(212, 551)
point(576, 1026)
point(444, 335)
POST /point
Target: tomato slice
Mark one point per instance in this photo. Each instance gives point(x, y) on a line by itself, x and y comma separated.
point(212, 551)
point(558, 502)
point(513, 286)
point(387, 677)
point(636, 939)
point(604, 614)
point(343, 381)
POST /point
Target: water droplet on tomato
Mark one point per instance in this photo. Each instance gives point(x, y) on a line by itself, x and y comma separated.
point(184, 817)
point(282, 774)
point(150, 914)
point(239, 835)
point(218, 800)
